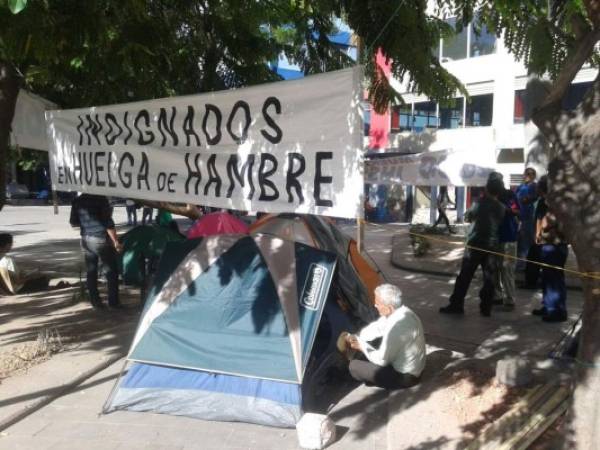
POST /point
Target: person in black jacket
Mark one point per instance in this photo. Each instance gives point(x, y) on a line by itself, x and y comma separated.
point(486, 216)
point(93, 215)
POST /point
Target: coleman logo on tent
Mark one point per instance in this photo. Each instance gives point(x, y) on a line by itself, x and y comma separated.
point(313, 286)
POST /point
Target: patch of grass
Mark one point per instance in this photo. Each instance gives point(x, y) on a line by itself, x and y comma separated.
point(421, 245)
point(28, 354)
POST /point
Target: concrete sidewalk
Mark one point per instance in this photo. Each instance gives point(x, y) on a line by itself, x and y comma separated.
point(462, 352)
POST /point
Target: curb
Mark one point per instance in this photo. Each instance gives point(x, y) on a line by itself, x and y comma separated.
point(438, 273)
point(441, 273)
point(64, 389)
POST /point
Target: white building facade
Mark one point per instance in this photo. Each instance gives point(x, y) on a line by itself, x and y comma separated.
point(492, 120)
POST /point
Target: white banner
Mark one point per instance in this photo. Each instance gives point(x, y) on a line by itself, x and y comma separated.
point(437, 168)
point(292, 146)
point(28, 128)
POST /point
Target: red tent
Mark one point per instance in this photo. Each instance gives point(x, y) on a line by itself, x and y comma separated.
point(217, 223)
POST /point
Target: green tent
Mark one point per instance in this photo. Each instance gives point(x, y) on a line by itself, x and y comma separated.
point(145, 242)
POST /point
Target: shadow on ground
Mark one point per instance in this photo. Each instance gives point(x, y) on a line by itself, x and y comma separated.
point(461, 349)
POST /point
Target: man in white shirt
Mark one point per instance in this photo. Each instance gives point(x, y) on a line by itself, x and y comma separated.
point(397, 362)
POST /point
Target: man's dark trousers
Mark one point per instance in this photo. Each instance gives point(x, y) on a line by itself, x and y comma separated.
point(97, 249)
point(553, 280)
point(385, 377)
point(471, 260)
point(532, 270)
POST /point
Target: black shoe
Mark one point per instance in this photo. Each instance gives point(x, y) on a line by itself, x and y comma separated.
point(98, 305)
point(485, 312)
point(498, 301)
point(451, 309)
point(528, 286)
point(117, 306)
point(508, 307)
point(539, 311)
point(556, 316)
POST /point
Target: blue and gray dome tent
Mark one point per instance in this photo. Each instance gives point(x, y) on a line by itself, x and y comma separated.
point(232, 330)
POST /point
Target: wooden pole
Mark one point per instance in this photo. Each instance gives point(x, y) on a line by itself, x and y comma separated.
point(360, 235)
point(55, 202)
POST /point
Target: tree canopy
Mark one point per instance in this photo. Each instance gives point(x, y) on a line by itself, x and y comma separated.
point(105, 51)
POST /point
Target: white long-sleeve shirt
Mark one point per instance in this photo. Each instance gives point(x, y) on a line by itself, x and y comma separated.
point(402, 341)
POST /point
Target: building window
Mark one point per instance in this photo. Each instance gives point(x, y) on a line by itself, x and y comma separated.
point(479, 110)
point(575, 95)
point(401, 118)
point(519, 112)
point(468, 43)
point(425, 116)
point(451, 116)
point(573, 98)
point(455, 47)
point(482, 42)
point(510, 156)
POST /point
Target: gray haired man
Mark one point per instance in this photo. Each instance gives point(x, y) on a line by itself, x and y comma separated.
point(394, 345)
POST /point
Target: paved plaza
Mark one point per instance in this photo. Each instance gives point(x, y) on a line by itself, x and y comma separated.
point(428, 416)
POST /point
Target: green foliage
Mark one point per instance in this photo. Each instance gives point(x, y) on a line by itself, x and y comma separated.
point(106, 51)
point(406, 34)
point(16, 6)
point(542, 34)
point(420, 244)
point(27, 159)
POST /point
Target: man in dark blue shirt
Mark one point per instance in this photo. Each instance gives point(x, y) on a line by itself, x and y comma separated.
point(527, 196)
point(93, 215)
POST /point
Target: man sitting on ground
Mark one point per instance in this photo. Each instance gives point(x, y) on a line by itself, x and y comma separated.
point(396, 362)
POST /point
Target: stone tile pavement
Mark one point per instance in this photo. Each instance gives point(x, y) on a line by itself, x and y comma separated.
point(366, 417)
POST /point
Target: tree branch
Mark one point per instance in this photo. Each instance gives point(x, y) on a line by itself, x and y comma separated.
point(593, 9)
point(551, 106)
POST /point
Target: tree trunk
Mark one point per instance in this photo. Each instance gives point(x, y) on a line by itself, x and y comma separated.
point(9, 89)
point(574, 194)
point(585, 413)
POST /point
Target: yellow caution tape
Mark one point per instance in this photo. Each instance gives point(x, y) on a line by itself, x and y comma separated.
point(592, 275)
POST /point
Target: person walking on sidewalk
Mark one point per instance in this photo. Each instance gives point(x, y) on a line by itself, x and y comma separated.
point(486, 216)
point(93, 215)
point(554, 251)
point(147, 215)
point(443, 200)
point(504, 279)
point(130, 207)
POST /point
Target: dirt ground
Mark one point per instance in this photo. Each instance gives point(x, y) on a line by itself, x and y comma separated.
point(62, 333)
point(478, 400)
